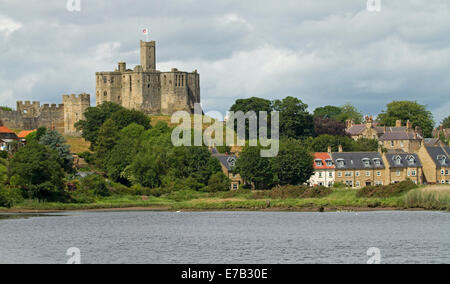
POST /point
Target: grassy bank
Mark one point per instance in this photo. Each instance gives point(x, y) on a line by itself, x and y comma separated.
point(339, 199)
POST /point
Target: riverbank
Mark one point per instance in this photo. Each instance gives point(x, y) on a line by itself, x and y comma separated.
point(425, 198)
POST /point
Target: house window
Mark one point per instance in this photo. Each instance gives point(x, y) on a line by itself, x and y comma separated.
point(402, 144)
point(413, 173)
point(348, 174)
point(446, 172)
point(329, 163)
point(235, 186)
point(378, 183)
point(398, 173)
point(377, 162)
point(320, 175)
point(319, 163)
point(349, 183)
point(366, 163)
point(367, 174)
point(392, 144)
point(357, 174)
point(398, 160)
point(330, 174)
point(339, 174)
point(357, 184)
point(443, 182)
point(442, 172)
point(379, 174)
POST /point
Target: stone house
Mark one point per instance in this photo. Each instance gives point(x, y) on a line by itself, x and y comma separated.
point(324, 170)
point(436, 164)
point(402, 166)
point(406, 141)
point(359, 169)
point(7, 137)
point(228, 162)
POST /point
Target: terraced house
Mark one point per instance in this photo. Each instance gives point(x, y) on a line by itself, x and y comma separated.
point(324, 170)
point(359, 169)
point(436, 164)
point(402, 166)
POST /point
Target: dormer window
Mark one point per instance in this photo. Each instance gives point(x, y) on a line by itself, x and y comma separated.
point(442, 159)
point(366, 163)
point(319, 163)
point(411, 160)
point(398, 160)
point(377, 162)
point(340, 163)
point(329, 163)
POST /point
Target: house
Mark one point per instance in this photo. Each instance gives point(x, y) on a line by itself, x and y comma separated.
point(359, 169)
point(436, 164)
point(368, 130)
point(228, 162)
point(406, 141)
point(401, 166)
point(23, 134)
point(8, 137)
point(324, 170)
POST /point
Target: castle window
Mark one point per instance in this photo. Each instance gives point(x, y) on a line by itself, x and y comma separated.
point(105, 79)
point(112, 80)
point(105, 94)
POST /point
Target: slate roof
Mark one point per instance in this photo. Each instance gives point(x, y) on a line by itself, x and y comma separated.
point(354, 160)
point(398, 136)
point(227, 160)
point(438, 153)
point(432, 141)
point(356, 129)
point(405, 159)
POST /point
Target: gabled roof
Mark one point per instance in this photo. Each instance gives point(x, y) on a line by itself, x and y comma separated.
point(405, 160)
point(432, 141)
point(25, 133)
point(355, 160)
point(356, 129)
point(323, 157)
point(226, 160)
point(4, 129)
point(398, 136)
point(437, 153)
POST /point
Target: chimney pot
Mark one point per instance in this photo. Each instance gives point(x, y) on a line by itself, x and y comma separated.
point(340, 149)
point(398, 123)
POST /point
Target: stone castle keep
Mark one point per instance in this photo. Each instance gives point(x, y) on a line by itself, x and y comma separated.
point(144, 88)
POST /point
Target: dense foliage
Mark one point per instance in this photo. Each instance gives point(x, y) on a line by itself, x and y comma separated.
point(416, 113)
point(390, 190)
point(446, 122)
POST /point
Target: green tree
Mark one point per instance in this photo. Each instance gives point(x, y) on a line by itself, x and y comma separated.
point(108, 135)
point(125, 117)
point(416, 113)
point(293, 165)
point(254, 169)
point(365, 145)
point(446, 122)
point(295, 120)
point(350, 112)
point(330, 112)
point(94, 119)
point(253, 104)
point(37, 170)
point(218, 182)
point(56, 141)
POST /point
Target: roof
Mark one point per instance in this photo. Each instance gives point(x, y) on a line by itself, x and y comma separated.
point(228, 161)
point(439, 155)
point(4, 129)
point(355, 160)
point(406, 160)
point(25, 133)
point(356, 129)
point(432, 141)
point(323, 157)
point(398, 136)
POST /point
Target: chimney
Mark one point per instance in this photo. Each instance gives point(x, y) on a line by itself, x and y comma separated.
point(409, 124)
point(398, 123)
point(340, 149)
point(329, 149)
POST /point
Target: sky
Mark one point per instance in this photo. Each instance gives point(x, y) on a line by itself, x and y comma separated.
point(323, 52)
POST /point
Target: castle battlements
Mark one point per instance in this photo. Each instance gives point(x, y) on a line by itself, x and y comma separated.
point(146, 89)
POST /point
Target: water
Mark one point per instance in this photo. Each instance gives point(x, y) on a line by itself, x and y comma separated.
point(227, 237)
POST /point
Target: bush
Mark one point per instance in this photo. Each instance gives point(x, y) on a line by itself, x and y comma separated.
point(3, 154)
point(218, 182)
point(10, 197)
point(183, 195)
point(87, 156)
point(293, 191)
point(390, 190)
point(95, 185)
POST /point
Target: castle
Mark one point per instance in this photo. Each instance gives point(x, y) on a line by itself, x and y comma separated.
point(62, 117)
point(146, 89)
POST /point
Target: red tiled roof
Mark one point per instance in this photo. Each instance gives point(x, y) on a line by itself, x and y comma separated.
point(25, 133)
point(4, 129)
point(322, 157)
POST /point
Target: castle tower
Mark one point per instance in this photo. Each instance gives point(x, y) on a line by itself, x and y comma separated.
point(148, 55)
point(74, 108)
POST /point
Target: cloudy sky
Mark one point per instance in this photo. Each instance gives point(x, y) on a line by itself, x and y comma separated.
point(323, 52)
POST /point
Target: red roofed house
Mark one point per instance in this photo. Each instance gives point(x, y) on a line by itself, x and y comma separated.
point(324, 170)
point(7, 137)
point(23, 134)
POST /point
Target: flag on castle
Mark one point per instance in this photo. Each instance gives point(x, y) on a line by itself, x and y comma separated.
point(145, 31)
